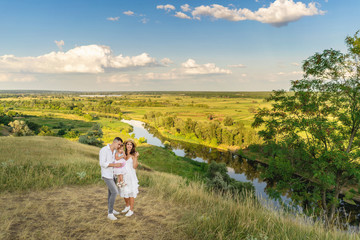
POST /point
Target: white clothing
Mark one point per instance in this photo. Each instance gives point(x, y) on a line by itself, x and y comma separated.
point(120, 170)
point(132, 183)
point(106, 157)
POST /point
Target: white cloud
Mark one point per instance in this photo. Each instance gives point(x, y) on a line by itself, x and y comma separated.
point(191, 67)
point(166, 61)
point(7, 77)
point(83, 59)
point(185, 7)
point(279, 13)
point(144, 20)
point(60, 44)
point(167, 7)
point(129, 13)
point(295, 64)
point(237, 66)
point(182, 15)
point(114, 19)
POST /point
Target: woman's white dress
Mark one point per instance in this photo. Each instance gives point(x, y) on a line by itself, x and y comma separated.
point(132, 183)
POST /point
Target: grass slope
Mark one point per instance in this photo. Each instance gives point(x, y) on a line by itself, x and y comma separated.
point(45, 194)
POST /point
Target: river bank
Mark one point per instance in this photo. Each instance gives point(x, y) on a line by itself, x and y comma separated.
point(244, 171)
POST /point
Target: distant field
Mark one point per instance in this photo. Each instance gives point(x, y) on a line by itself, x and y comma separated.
point(241, 106)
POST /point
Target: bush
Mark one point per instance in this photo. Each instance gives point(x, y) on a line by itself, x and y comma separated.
point(218, 179)
point(228, 121)
point(46, 131)
point(19, 128)
point(93, 136)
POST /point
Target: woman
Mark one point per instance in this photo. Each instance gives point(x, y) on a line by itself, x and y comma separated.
point(130, 191)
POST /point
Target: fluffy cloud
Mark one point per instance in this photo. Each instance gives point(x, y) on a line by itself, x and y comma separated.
point(188, 70)
point(167, 7)
point(182, 15)
point(279, 13)
point(129, 13)
point(83, 59)
point(60, 44)
point(114, 19)
point(185, 8)
point(192, 68)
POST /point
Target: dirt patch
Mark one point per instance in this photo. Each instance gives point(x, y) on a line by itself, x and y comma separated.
point(81, 213)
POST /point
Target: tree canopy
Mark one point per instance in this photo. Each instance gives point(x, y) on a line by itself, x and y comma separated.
point(314, 128)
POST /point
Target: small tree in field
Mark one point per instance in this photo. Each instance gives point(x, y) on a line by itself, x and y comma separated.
point(19, 128)
point(318, 125)
point(93, 137)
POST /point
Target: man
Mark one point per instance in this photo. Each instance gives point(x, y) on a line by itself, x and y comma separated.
point(106, 157)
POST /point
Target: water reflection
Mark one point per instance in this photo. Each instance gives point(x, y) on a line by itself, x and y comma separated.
point(239, 168)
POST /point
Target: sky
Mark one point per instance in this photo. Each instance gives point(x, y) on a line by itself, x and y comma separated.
point(148, 45)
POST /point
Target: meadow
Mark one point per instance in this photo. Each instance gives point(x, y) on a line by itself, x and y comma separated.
point(51, 188)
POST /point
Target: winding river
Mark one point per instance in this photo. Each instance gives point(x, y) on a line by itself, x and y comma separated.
point(239, 168)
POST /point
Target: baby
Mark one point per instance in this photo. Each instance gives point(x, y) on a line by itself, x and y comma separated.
point(120, 171)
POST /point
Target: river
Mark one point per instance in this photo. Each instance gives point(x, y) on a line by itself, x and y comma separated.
point(239, 168)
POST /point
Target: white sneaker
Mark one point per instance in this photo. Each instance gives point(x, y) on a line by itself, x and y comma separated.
point(126, 209)
point(111, 217)
point(129, 213)
point(115, 212)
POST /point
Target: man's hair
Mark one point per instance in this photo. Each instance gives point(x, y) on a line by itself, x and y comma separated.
point(117, 139)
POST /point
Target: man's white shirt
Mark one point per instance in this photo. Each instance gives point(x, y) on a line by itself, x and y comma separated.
point(106, 156)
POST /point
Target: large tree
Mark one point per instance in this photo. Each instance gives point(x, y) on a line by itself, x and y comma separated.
point(314, 128)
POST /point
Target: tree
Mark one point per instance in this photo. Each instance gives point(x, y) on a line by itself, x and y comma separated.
point(228, 121)
point(45, 131)
point(19, 128)
point(93, 137)
point(315, 128)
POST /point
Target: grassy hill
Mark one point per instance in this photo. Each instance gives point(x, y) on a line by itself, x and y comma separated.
point(51, 188)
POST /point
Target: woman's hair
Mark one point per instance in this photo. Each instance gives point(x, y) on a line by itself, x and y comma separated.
point(133, 150)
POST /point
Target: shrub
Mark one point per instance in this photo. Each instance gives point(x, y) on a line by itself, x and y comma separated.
point(46, 131)
point(19, 128)
point(218, 179)
point(228, 121)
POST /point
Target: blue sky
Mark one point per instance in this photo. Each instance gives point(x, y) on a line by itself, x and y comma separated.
point(239, 45)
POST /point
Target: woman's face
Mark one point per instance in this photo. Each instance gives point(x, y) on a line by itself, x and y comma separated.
point(129, 146)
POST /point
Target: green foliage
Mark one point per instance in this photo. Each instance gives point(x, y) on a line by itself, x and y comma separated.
point(218, 179)
point(72, 134)
point(45, 131)
point(142, 140)
point(315, 130)
point(228, 121)
point(211, 132)
point(93, 137)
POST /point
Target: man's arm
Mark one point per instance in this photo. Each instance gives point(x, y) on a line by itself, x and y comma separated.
point(104, 163)
point(102, 158)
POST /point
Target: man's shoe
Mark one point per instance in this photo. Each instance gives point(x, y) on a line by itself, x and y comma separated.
point(111, 217)
point(126, 209)
point(129, 213)
point(115, 212)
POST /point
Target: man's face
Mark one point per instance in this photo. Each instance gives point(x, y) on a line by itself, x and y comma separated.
point(118, 144)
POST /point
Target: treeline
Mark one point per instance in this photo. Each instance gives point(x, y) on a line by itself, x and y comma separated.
point(213, 132)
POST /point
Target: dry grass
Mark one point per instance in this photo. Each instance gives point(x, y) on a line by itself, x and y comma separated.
point(80, 213)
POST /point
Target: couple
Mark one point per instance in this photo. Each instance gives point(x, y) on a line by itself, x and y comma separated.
point(107, 164)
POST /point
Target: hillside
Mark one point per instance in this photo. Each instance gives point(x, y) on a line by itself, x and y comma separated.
point(51, 188)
